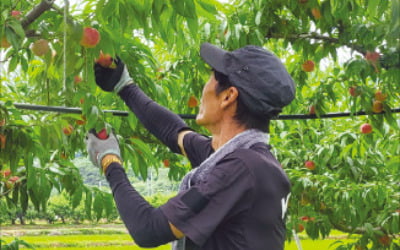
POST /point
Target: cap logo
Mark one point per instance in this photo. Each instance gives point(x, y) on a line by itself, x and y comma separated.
point(245, 68)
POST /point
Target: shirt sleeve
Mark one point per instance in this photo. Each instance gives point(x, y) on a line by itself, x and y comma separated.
point(151, 113)
point(197, 148)
point(198, 211)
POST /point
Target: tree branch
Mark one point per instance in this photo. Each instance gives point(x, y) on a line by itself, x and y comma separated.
point(36, 12)
point(316, 36)
point(347, 229)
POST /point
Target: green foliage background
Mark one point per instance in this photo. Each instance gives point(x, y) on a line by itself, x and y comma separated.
point(355, 187)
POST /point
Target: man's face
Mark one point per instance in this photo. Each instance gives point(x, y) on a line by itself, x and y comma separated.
point(210, 108)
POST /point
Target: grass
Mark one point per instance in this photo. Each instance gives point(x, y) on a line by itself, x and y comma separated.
point(70, 237)
point(308, 244)
point(115, 236)
point(166, 247)
point(105, 242)
point(123, 241)
point(70, 242)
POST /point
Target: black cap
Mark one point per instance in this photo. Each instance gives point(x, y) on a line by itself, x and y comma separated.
point(262, 80)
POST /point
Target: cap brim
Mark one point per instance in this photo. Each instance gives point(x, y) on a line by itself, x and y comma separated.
point(214, 57)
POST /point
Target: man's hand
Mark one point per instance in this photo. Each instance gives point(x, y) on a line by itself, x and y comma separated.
point(112, 79)
point(98, 148)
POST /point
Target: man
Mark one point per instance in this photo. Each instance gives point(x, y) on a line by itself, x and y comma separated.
point(236, 195)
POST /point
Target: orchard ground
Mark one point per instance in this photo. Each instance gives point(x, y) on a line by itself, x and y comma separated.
point(115, 236)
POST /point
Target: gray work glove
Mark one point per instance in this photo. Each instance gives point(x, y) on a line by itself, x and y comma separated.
point(112, 79)
point(98, 148)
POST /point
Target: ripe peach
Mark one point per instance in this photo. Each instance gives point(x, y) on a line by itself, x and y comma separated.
point(300, 228)
point(4, 43)
point(377, 107)
point(309, 165)
point(372, 57)
point(192, 103)
point(379, 96)
point(366, 128)
point(312, 110)
point(3, 140)
point(82, 121)
point(6, 172)
point(90, 37)
point(308, 66)
point(316, 13)
point(77, 79)
point(68, 130)
point(354, 91)
point(166, 163)
point(16, 14)
point(102, 134)
point(13, 179)
point(40, 47)
point(105, 60)
point(305, 218)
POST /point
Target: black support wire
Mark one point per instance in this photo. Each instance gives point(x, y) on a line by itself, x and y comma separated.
point(71, 110)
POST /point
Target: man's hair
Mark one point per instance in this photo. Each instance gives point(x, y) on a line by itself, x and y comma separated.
point(243, 115)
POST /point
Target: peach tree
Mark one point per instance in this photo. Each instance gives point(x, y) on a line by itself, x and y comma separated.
point(343, 55)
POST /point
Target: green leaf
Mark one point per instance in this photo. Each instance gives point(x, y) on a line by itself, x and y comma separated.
point(88, 203)
point(15, 194)
point(208, 7)
point(132, 121)
point(17, 27)
point(185, 8)
point(13, 63)
point(98, 205)
point(142, 167)
point(14, 162)
point(193, 26)
point(76, 197)
point(43, 135)
point(390, 119)
point(35, 201)
point(92, 117)
point(23, 197)
point(395, 229)
point(108, 204)
point(372, 7)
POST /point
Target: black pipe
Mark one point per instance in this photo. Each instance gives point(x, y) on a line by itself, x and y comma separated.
point(61, 109)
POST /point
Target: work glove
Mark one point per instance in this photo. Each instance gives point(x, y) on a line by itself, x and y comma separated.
point(98, 148)
point(112, 79)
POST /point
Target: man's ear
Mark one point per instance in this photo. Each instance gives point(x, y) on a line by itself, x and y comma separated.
point(229, 96)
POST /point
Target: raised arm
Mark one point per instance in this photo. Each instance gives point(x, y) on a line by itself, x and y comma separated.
point(167, 126)
point(161, 122)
